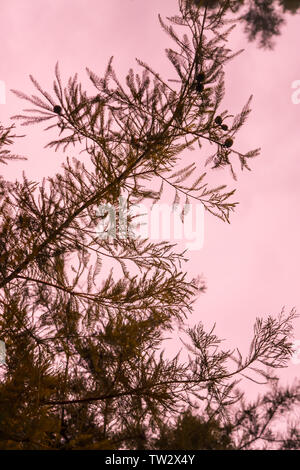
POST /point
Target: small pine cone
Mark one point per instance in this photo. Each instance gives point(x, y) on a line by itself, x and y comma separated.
point(218, 120)
point(200, 77)
point(228, 142)
point(199, 87)
point(57, 109)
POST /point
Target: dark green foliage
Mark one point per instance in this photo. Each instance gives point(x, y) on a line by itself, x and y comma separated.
point(268, 423)
point(191, 432)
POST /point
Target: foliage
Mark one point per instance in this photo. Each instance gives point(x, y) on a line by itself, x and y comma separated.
point(263, 19)
point(85, 367)
point(268, 423)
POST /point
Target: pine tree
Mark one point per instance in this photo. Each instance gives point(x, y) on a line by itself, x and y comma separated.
point(85, 367)
point(262, 19)
point(268, 423)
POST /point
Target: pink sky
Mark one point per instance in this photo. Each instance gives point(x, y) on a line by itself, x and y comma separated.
point(251, 266)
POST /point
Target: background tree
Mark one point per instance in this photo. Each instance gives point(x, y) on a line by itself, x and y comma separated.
point(263, 19)
point(192, 432)
point(271, 422)
point(85, 367)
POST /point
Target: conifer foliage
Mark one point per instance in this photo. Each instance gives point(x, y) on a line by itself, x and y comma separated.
point(84, 365)
point(262, 19)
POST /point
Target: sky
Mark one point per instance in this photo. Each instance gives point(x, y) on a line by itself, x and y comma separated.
point(250, 265)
